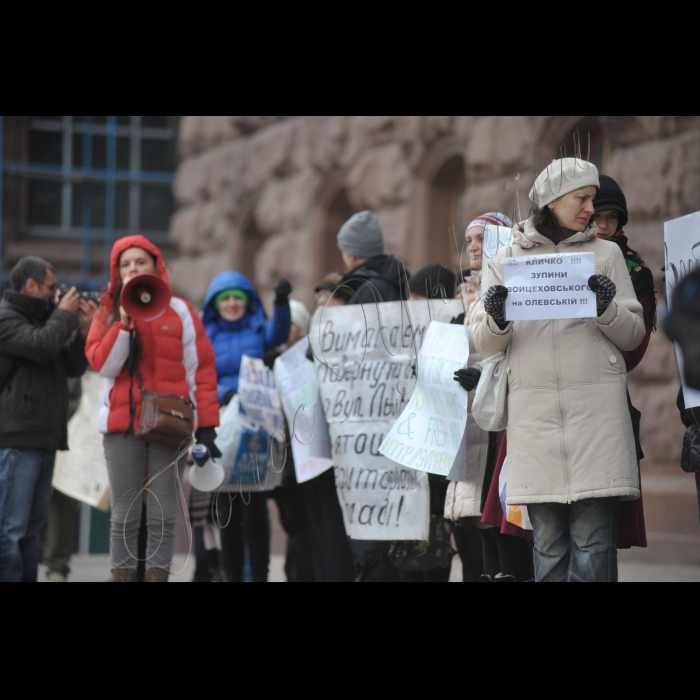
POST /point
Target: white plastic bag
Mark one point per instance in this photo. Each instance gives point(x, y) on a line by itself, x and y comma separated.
point(490, 406)
point(251, 460)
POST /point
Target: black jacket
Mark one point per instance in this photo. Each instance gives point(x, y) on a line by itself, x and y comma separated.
point(39, 355)
point(381, 278)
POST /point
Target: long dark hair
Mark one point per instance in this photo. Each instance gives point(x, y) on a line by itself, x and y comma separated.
point(544, 219)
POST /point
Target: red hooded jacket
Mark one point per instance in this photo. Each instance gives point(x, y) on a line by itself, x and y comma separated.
point(173, 353)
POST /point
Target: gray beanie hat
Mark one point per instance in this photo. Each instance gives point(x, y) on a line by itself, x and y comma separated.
point(361, 236)
point(561, 177)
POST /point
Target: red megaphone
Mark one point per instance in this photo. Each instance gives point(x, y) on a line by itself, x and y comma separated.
point(145, 297)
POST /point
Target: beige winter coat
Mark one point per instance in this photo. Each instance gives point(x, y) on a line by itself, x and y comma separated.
point(569, 429)
point(463, 498)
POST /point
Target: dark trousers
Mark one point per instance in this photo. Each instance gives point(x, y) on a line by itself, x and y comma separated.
point(330, 550)
point(372, 563)
point(470, 551)
point(507, 555)
point(201, 571)
point(60, 532)
point(298, 565)
point(248, 527)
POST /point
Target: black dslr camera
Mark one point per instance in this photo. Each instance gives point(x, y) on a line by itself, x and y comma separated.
point(87, 294)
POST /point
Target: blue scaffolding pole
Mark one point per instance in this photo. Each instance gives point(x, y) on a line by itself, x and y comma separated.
point(87, 204)
point(111, 193)
point(2, 131)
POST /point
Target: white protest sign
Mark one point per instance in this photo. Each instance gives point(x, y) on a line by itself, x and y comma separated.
point(310, 441)
point(682, 244)
point(259, 396)
point(542, 287)
point(428, 434)
point(496, 238)
point(82, 471)
point(365, 354)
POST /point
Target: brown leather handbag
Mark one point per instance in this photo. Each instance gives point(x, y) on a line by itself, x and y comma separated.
point(166, 419)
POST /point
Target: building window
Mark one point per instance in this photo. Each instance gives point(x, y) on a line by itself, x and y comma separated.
point(107, 174)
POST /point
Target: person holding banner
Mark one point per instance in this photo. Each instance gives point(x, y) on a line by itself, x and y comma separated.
point(289, 494)
point(171, 354)
point(610, 217)
point(503, 558)
point(235, 322)
point(571, 448)
point(330, 548)
point(373, 278)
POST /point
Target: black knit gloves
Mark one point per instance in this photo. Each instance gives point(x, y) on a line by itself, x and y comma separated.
point(282, 292)
point(206, 436)
point(495, 304)
point(604, 289)
point(467, 378)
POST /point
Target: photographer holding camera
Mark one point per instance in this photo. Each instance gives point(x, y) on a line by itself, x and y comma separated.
point(41, 344)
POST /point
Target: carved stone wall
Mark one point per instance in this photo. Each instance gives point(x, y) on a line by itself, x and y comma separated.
point(266, 196)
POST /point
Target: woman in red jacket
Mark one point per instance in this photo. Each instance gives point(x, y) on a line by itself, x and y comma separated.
point(173, 355)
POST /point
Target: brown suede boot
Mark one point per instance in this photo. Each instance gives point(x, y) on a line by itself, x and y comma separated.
point(156, 576)
point(123, 576)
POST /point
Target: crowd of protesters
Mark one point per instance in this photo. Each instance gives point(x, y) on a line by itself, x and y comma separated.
point(572, 440)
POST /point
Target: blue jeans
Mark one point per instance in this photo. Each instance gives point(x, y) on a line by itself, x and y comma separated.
point(575, 542)
point(25, 493)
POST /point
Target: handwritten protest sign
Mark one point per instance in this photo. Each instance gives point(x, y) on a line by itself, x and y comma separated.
point(310, 441)
point(365, 377)
point(682, 244)
point(428, 433)
point(553, 286)
point(82, 472)
point(496, 238)
point(259, 396)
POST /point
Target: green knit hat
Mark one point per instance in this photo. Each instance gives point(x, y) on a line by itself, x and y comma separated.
point(230, 293)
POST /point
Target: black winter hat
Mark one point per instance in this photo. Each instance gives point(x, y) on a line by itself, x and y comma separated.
point(428, 280)
point(610, 196)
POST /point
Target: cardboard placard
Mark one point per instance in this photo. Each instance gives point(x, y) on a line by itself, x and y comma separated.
point(260, 398)
point(428, 434)
point(81, 472)
point(310, 442)
point(365, 355)
point(496, 238)
point(542, 287)
point(682, 249)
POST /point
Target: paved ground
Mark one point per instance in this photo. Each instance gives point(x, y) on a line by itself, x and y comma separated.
point(96, 568)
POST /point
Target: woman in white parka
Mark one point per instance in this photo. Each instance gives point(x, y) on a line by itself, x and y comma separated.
point(571, 450)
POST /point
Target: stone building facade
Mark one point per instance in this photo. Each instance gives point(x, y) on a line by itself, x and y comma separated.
point(267, 195)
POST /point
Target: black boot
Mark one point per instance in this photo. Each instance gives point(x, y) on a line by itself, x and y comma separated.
point(214, 565)
point(485, 578)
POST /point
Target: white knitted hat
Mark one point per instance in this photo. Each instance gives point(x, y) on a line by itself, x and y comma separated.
point(561, 177)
